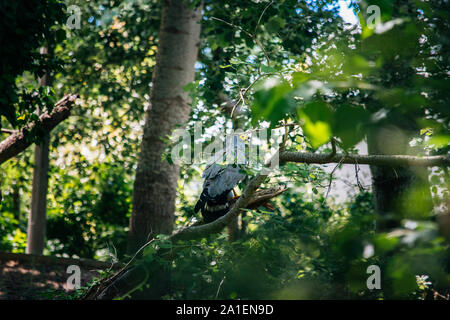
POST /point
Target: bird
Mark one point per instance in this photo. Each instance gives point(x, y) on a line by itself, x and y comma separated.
point(218, 190)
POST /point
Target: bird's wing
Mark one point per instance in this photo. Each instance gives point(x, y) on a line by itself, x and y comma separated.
point(225, 180)
point(211, 172)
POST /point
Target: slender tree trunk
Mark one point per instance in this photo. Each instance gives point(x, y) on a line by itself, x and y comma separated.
point(156, 180)
point(37, 217)
point(16, 200)
point(402, 191)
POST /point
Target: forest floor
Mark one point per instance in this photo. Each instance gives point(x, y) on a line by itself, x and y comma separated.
point(27, 277)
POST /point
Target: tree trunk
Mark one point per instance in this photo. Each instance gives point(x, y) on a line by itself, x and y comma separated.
point(399, 191)
point(16, 200)
point(156, 180)
point(38, 213)
point(37, 217)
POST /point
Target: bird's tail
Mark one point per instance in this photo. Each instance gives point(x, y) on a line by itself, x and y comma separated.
point(201, 202)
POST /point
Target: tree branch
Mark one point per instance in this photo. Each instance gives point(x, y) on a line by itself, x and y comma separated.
point(18, 142)
point(377, 160)
point(216, 226)
point(9, 131)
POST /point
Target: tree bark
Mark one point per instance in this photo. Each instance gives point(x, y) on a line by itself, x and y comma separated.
point(156, 180)
point(38, 213)
point(18, 142)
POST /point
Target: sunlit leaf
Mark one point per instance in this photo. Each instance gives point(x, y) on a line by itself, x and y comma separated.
point(316, 117)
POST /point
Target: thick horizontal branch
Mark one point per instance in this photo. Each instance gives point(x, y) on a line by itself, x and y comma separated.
point(18, 142)
point(9, 131)
point(377, 160)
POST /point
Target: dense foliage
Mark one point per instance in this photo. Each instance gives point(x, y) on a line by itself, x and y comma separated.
point(27, 26)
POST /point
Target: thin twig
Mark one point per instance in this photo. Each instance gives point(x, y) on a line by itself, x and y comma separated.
point(331, 180)
point(243, 92)
point(218, 289)
point(10, 131)
point(437, 294)
point(285, 125)
point(357, 169)
point(247, 33)
point(285, 138)
point(137, 252)
point(260, 17)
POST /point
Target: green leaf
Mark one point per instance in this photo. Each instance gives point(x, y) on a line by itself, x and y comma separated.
point(439, 141)
point(60, 35)
point(384, 243)
point(299, 77)
point(149, 250)
point(268, 69)
point(274, 24)
point(10, 113)
point(349, 124)
point(190, 86)
point(272, 102)
point(317, 117)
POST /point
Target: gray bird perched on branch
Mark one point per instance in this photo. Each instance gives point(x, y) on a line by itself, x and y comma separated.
point(218, 190)
point(218, 186)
